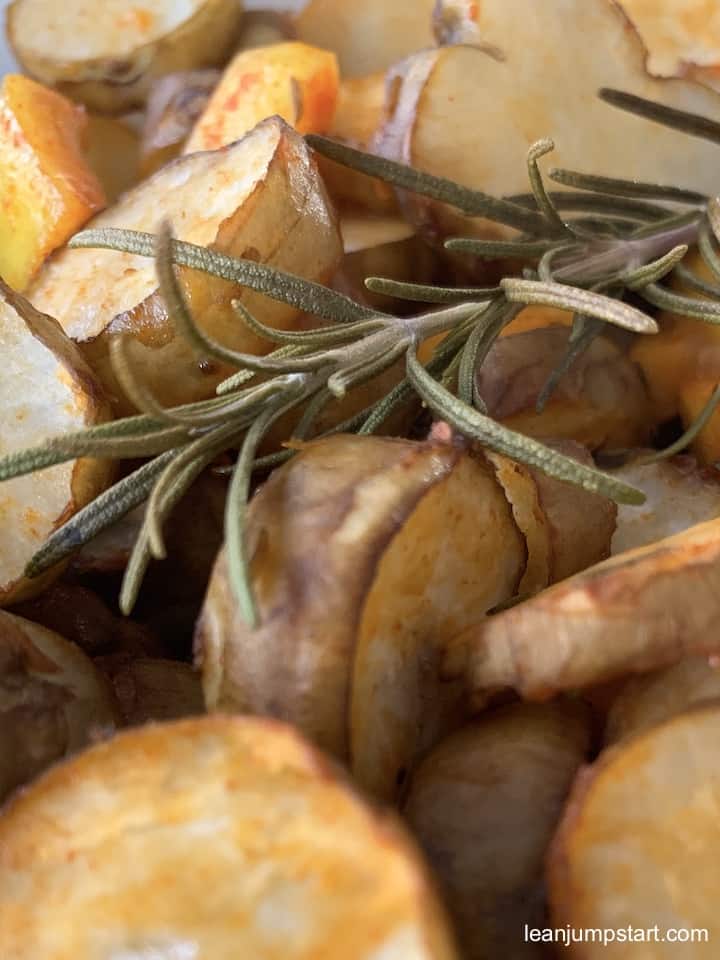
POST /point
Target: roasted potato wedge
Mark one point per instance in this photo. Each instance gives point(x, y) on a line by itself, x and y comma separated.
point(291, 80)
point(49, 189)
point(53, 701)
point(644, 609)
point(367, 35)
point(261, 197)
point(174, 105)
point(112, 149)
point(224, 837)
point(150, 690)
point(108, 56)
point(636, 846)
point(46, 390)
point(519, 83)
point(646, 701)
point(410, 541)
point(601, 400)
point(484, 805)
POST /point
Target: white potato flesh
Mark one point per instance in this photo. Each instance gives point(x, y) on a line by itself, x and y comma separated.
point(364, 232)
point(679, 495)
point(45, 391)
point(218, 838)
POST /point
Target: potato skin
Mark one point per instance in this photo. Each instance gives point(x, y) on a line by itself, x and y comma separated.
point(112, 85)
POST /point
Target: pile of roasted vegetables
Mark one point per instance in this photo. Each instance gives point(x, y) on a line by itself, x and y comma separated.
point(359, 490)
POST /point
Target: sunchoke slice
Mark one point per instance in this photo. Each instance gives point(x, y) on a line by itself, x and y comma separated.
point(46, 391)
point(638, 611)
point(261, 198)
point(638, 843)
point(219, 837)
point(53, 701)
point(108, 55)
point(367, 554)
point(484, 805)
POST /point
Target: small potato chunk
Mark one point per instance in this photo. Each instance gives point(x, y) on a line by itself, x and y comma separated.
point(644, 702)
point(113, 151)
point(260, 197)
point(638, 846)
point(484, 805)
point(367, 554)
point(108, 54)
point(367, 35)
point(644, 609)
point(175, 103)
point(46, 390)
point(220, 837)
point(601, 400)
point(291, 80)
point(48, 187)
point(53, 701)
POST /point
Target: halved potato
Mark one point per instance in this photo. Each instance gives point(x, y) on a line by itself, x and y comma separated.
point(48, 187)
point(528, 83)
point(644, 702)
point(219, 837)
point(113, 151)
point(638, 844)
point(108, 55)
point(600, 401)
point(260, 198)
point(149, 689)
point(367, 35)
point(640, 610)
point(53, 701)
point(291, 80)
point(46, 390)
point(174, 105)
point(367, 554)
point(484, 805)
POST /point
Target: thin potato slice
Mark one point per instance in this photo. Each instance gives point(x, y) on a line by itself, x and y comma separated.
point(291, 80)
point(174, 105)
point(46, 390)
point(53, 701)
point(109, 54)
point(528, 83)
point(367, 553)
point(260, 198)
point(638, 844)
point(643, 609)
point(219, 838)
point(367, 35)
point(644, 702)
point(484, 805)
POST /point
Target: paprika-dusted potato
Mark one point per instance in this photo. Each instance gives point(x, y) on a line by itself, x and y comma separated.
point(49, 188)
point(113, 151)
point(220, 837)
point(637, 845)
point(174, 105)
point(109, 54)
point(46, 390)
point(367, 35)
point(484, 805)
point(291, 80)
point(638, 611)
point(366, 554)
point(527, 82)
point(600, 401)
point(53, 701)
point(261, 198)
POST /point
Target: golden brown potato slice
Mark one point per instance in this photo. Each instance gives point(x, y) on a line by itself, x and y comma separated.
point(149, 689)
point(484, 805)
point(637, 846)
point(109, 54)
point(528, 83)
point(367, 35)
point(113, 151)
point(53, 701)
point(647, 701)
point(219, 838)
point(261, 197)
point(678, 495)
point(367, 554)
point(643, 609)
point(46, 390)
point(291, 80)
point(174, 105)
point(600, 401)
